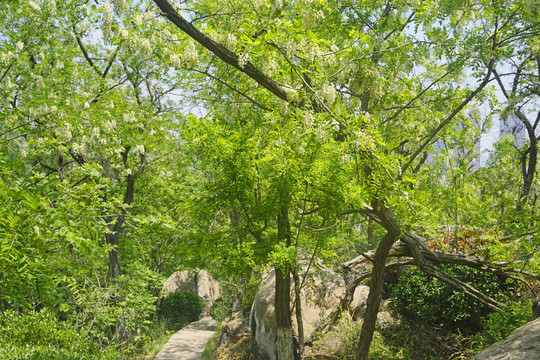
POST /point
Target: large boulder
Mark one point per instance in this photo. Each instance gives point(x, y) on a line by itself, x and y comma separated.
point(201, 283)
point(522, 344)
point(321, 297)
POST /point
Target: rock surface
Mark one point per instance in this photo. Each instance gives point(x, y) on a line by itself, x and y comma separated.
point(201, 283)
point(235, 337)
point(320, 300)
point(522, 344)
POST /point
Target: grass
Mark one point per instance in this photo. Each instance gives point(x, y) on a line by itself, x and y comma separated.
point(212, 343)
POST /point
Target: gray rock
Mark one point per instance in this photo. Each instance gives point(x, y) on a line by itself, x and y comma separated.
point(320, 300)
point(201, 283)
point(522, 344)
point(358, 303)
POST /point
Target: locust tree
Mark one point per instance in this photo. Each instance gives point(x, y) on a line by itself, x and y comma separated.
point(392, 78)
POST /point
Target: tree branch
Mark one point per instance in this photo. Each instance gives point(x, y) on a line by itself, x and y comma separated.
point(449, 118)
point(220, 51)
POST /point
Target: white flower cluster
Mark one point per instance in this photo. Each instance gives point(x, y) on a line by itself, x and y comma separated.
point(310, 16)
point(124, 33)
point(120, 3)
point(191, 56)
point(64, 132)
point(138, 150)
point(109, 126)
point(270, 67)
point(34, 6)
point(175, 61)
point(129, 117)
point(145, 46)
point(5, 57)
point(108, 19)
point(346, 159)
point(312, 54)
point(230, 42)
point(291, 48)
point(82, 26)
point(308, 119)
point(321, 135)
point(51, 5)
point(327, 93)
point(77, 149)
point(364, 141)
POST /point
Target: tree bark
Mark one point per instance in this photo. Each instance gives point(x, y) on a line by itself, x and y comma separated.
point(298, 308)
point(374, 296)
point(284, 338)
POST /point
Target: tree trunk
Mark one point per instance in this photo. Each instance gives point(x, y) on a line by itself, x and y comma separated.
point(298, 308)
point(114, 263)
point(116, 222)
point(284, 337)
point(374, 297)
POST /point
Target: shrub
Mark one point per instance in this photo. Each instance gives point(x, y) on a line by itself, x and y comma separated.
point(181, 307)
point(220, 309)
point(39, 335)
point(499, 324)
point(118, 311)
point(420, 297)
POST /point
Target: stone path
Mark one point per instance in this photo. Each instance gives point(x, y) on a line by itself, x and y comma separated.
point(189, 342)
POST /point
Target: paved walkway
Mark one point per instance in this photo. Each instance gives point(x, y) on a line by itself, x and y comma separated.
point(189, 342)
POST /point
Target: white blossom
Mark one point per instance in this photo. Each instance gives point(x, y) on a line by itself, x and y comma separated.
point(95, 132)
point(175, 61)
point(148, 16)
point(138, 20)
point(66, 136)
point(145, 46)
point(77, 149)
point(327, 93)
point(19, 45)
point(129, 117)
point(138, 149)
point(308, 118)
point(321, 135)
point(34, 6)
point(109, 126)
point(191, 56)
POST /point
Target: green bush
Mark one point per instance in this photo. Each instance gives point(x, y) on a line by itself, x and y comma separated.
point(220, 309)
point(499, 324)
point(181, 307)
point(39, 335)
point(118, 311)
point(420, 297)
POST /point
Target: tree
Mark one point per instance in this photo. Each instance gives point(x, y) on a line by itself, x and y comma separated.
point(381, 117)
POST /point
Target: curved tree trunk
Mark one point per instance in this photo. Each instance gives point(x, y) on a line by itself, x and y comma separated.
point(374, 297)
